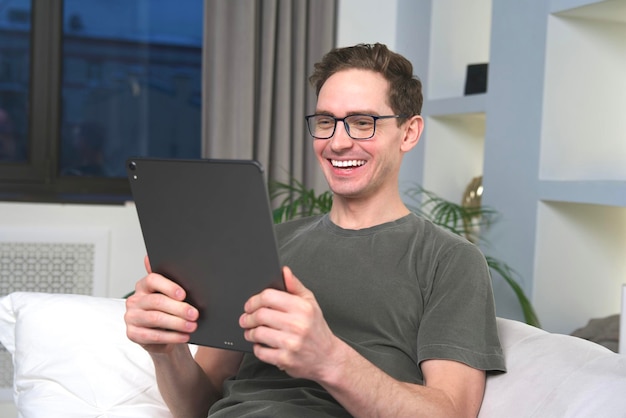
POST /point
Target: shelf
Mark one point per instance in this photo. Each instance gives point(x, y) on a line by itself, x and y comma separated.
point(608, 193)
point(475, 103)
point(613, 10)
point(460, 33)
point(455, 146)
point(585, 94)
point(454, 135)
point(579, 264)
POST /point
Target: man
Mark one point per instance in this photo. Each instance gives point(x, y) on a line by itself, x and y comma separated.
point(384, 314)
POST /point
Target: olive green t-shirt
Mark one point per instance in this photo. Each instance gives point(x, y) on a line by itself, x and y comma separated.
point(399, 293)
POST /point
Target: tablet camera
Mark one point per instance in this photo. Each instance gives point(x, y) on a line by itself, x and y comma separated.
point(132, 166)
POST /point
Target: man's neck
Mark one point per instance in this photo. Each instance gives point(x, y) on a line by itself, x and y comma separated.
point(360, 214)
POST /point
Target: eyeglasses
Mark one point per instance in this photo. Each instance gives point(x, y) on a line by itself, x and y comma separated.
point(357, 126)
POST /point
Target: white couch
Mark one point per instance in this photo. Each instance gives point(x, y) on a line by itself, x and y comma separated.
point(72, 359)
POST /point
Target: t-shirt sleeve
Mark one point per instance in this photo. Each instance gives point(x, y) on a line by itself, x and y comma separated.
point(459, 321)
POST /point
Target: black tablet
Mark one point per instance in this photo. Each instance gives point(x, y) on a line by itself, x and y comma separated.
point(207, 225)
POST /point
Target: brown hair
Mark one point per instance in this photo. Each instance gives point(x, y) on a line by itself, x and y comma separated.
point(405, 89)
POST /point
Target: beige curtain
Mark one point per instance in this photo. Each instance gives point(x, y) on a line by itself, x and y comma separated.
point(258, 55)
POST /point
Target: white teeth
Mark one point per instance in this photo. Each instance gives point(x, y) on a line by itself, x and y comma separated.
point(349, 163)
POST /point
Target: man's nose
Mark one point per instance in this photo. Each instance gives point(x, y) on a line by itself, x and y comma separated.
point(341, 139)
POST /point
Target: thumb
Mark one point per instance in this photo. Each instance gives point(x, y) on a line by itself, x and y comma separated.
point(292, 284)
point(146, 263)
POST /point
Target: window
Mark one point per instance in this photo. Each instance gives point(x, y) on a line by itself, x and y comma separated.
point(86, 84)
point(14, 79)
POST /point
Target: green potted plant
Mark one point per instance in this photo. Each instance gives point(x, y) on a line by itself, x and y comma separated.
point(294, 200)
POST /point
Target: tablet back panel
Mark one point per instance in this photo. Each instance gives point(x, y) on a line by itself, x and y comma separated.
point(207, 225)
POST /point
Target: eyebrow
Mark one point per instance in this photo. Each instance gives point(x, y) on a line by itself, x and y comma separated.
point(354, 112)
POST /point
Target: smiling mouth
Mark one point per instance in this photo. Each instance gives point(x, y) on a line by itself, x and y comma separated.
point(347, 163)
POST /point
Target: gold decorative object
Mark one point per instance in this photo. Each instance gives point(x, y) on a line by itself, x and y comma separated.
point(472, 200)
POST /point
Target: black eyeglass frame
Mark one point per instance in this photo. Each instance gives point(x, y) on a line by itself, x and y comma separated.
point(346, 126)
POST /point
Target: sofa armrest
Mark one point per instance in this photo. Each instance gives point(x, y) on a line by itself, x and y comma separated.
point(554, 375)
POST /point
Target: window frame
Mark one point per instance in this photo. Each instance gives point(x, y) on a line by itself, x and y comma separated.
point(37, 180)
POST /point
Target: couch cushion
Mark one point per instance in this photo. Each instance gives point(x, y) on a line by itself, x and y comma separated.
point(554, 375)
point(72, 358)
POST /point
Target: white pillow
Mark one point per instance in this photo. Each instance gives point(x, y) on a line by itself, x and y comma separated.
point(554, 375)
point(72, 358)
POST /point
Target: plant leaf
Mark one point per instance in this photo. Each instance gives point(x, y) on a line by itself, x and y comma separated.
point(530, 316)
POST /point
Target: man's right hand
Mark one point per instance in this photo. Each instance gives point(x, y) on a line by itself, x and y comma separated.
point(156, 316)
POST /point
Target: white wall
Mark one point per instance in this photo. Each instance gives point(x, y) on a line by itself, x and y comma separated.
point(367, 21)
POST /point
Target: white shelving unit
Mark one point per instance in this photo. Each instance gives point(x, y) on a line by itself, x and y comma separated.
point(549, 137)
point(582, 171)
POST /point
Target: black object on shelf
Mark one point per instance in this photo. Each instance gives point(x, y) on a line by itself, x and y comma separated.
point(476, 78)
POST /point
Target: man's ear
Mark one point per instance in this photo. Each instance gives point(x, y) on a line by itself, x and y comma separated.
point(414, 128)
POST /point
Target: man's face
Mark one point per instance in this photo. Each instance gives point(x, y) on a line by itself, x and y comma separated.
point(359, 168)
